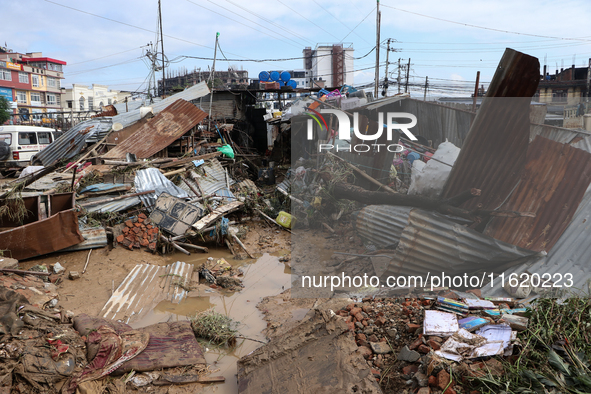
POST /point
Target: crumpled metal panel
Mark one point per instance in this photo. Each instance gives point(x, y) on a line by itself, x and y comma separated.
point(113, 206)
point(144, 287)
point(552, 186)
point(161, 131)
point(570, 255)
point(32, 239)
point(152, 179)
point(431, 243)
point(214, 179)
point(558, 134)
point(494, 152)
point(94, 238)
point(174, 215)
point(382, 224)
point(72, 141)
point(192, 93)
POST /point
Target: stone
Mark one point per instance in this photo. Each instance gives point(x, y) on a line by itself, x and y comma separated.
point(449, 391)
point(74, 275)
point(392, 332)
point(434, 345)
point(424, 349)
point(410, 369)
point(355, 311)
point(359, 325)
point(432, 381)
point(373, 338)
point(380, 321)
point(424, 390)
point(411, 327)
point(421, 379)
point(408, 355)
point(416, 344)
point(368, 331)
point(436, 339)
point(380, 347)
point(365, 352)
point(360, 337)
point(443, 379)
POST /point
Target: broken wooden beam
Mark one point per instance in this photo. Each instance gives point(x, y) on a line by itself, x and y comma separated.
point(363, 174)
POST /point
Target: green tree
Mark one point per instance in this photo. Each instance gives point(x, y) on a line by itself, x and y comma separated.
point(5, 110)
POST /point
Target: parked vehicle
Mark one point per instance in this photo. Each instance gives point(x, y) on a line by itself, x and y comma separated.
point(18, 145)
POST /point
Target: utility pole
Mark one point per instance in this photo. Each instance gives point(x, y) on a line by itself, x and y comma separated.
point(162, 44)
point(212, 77)
point(407, 76)
point(426, 86)
point(588, 82)
point(386, 76)
point(377, 81)
point(399, 80)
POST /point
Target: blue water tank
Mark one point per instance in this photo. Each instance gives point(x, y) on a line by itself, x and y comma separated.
point(264, 76)
point(285, 76)
point(274, 76)
point(293, 84)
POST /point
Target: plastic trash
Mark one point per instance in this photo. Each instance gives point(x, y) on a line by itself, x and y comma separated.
point(227, 151)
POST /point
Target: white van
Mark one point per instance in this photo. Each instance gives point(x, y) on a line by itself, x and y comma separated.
point(18, 144)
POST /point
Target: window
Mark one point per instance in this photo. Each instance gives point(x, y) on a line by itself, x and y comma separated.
point(44, 137)
point(90, 103)
point(101, 105)
point(27, 138)
point(81, 103)
point(5, 75)
point(54, 67)
point(21, 97)
point(53, 82)
point(35, 98)
point(109, 101)
point(7, 138)
point(35, 79)
point(51, 100)
point(69, 103)
point(23, 77)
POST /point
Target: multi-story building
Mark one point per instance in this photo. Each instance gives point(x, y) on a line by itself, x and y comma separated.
point(93, 99)
point(31, 82)
point(565, 88)
point(330, 65)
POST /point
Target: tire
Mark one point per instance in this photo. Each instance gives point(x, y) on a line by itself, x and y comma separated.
point(4, 150)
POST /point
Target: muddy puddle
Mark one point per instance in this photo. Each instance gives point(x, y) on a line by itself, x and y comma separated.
point(263, 277)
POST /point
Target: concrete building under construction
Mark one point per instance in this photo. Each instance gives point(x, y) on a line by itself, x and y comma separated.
point(330, 65)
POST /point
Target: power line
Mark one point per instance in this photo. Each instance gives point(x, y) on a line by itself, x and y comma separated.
point(318, 26)
point(486, 28)
point(338, 20)
point(103, 57)
point(353, 29)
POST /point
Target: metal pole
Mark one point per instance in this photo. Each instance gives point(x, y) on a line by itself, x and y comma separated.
point(386, 76)
point(588, 82)
point(407, 76)
point(377, 81)
point(476, 91)
point(162, 43)
point(399, 78)
point(212, 78)
point(426, 85)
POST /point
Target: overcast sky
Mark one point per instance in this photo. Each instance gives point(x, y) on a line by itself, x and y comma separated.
point(104, 41)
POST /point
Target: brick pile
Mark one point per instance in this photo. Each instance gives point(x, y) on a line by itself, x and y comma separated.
point(139, 232)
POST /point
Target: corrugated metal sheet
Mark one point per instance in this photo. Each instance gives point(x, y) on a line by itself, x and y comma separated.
point(72, 141)
point(430, 243)
point(113, 206)
point(570, 255)
point(552, 186)
point(214, 178)
point(495, 149)
point(93, 238)
point(584, 144)
point(152, 179)
point(192, 93)
point(169, 125)
point(382, 224)
point(558, 134)
point(144, 287)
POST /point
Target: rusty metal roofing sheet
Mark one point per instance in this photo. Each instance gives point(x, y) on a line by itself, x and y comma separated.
point(570, 255)
point(431, 243)
point(72, 141)
point(192, 93)
point(552, 186)
point(382, 224)
point(494, 151)
point(144, 287)
point(161, 131)
point(558, 134)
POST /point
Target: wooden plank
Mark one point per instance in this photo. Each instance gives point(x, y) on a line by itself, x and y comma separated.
point(216, 214)
point(190, 159)
point(184, 379)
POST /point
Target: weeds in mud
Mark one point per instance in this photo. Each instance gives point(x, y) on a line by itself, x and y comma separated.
point(215, 327)
point(14, 205)
point(555, 354)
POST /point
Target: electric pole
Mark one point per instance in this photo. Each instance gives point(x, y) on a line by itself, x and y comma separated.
point(399, 80)
point(386, 76)
point(426, 86)
point(162, 44)
point(212, 77)
point(407, 75)
point(377, 81)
